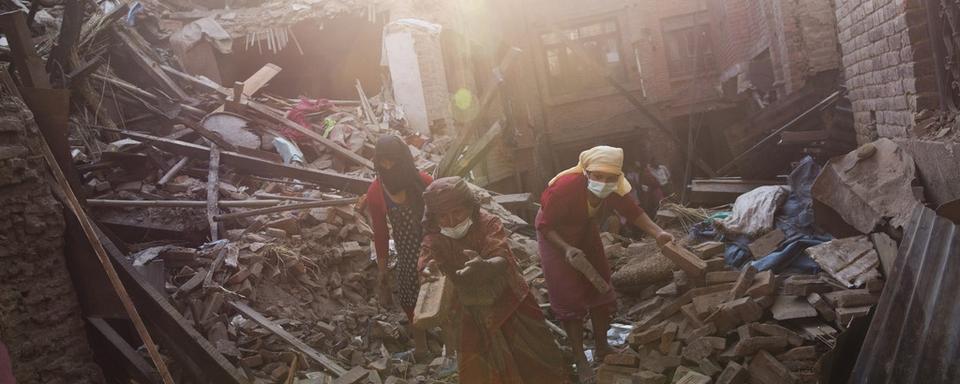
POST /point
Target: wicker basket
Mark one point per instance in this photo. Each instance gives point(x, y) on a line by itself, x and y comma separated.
point(635, 276)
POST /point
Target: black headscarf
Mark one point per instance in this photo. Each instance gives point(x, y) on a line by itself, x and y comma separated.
point(403, 176)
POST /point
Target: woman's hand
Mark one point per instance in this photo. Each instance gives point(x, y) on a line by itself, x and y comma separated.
point(430, 272)
point(663, 238)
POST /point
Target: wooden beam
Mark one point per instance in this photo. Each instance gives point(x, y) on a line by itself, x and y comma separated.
point(253, 165)
point(283, 208)
point(193, 350)
point(137, 91)
point(90, 232)
point(516, 200)
point(803, 137)
point(135, 365)
point(276, 329)
point(743, 155)
point(25, 58)
point(134, 43)
point(174, 170)
point(182, 203)
point(213, 192)
point(637, 104)
point(491, 87)
point(476, 151)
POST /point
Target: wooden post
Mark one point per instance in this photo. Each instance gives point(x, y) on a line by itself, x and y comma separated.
point(213, 192)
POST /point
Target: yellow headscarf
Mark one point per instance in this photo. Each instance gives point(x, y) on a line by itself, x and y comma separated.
point(600, 159)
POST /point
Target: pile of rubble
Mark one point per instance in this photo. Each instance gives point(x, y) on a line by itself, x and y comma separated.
point(238, 206)
point(716, 323)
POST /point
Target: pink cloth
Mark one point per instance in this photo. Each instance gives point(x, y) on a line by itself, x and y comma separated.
point(299, 115)
point(564, 210)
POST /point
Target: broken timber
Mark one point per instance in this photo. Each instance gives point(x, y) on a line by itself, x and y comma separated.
point(313, 354)
point(253, 165)
point(133, 41)
point(451, 158)
point(290, 207)
point(118, 286)
point(213, 192)
point(268, 113)
point(597, 68)
point(182, 203)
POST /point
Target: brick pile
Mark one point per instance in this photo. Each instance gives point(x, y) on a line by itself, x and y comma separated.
point(713, 324)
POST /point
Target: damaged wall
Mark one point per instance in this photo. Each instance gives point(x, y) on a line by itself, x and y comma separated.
point(40, 317)
point(888, 64)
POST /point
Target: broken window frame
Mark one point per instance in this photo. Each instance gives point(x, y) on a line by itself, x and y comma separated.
point(687, 45)
point(567, 73)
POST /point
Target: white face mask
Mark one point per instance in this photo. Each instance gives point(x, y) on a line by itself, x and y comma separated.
point(600, 189)
point(459, 231)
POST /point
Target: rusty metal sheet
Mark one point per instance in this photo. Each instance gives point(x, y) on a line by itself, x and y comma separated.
point(915, 334)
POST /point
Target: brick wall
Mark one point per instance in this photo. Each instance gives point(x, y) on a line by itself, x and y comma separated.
point(888, 64)
point(40, 319)
point(800, 36)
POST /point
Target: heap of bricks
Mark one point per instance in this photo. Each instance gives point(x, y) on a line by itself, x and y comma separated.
point(722, 326)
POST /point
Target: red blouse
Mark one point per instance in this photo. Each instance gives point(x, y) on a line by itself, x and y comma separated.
point(564, 209)
point(489, 239)
point(377, 208)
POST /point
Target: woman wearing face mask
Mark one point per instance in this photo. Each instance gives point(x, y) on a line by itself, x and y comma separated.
point(396, 195)
point(503, 337)
point(567, 229)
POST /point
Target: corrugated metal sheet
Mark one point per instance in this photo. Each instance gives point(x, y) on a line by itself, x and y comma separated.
point(915, 335)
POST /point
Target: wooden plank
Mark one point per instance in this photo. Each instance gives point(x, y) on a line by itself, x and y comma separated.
point(290, 207)
point(25, 58)
point(174, 170)
point(476, 152)
point(637, 104)
point(193, 349)
point(517, 200)
point(182, 203)
point(802, 137)
point(313, 354)
point(491, 86)
point(255, 166)
point(260, 79)
point(88, 230)
point(213, 192)
point(743, 155)
point(137, 366)
point(134, 42)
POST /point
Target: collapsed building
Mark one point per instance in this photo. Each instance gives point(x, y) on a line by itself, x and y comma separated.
point(179, 180)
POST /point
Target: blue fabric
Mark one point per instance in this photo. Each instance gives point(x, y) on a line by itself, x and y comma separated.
point(790, 256)
point(132, 13)
point(737, 252)
point(796, 215)
point(704, 231)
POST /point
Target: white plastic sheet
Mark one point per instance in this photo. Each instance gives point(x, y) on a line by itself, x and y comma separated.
point(754, 211)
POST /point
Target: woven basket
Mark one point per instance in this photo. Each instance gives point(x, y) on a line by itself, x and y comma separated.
point(635, 276)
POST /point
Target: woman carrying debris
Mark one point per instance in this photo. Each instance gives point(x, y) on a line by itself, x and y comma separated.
point(397, 195)
point(568, 233)
point(503, 337)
